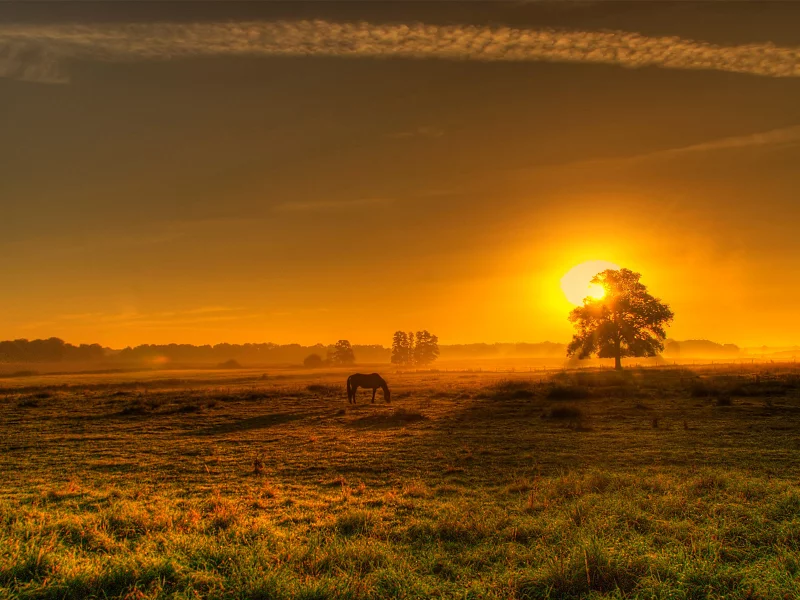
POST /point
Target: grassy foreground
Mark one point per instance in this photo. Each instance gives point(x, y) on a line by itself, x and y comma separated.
point(649, 484)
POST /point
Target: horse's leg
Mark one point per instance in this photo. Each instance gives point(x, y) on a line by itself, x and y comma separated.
point(355, 389)
point(373, 395)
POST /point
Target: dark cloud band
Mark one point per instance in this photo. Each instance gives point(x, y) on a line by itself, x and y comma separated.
point(34, 52)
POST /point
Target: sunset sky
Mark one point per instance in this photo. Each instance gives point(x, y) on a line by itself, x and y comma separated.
point(308, 172)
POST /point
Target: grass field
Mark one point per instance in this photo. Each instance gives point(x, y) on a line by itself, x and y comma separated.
point(653, 483)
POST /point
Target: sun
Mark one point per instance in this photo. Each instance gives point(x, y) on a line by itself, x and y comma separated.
point(577, 283)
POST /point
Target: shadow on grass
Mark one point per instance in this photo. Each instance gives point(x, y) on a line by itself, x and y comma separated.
point(113, 467)
point(388, 420)
point(262, 422)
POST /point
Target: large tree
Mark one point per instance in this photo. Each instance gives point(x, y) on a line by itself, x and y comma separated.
point(420, 348)
point(626, 321)
point(342, 354)
point(401, 354)
point(426, 348)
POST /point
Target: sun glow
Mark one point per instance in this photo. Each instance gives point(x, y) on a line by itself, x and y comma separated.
point(577, 282)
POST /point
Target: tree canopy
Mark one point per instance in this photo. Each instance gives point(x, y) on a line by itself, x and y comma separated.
point(627, 321)
point(313, 361)
point(420, 348)
point(342, 354)
point(426, 348)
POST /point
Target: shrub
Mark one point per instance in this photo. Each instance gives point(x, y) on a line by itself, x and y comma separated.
point(568, 392)
point(313, 361)
point(221, 513)
point(585, 571)
point(326, 390)
point(416, 489)
point(136, 408)
point(511, 389)
point(565, 412)
point(258, 465)
point(355, 522)
point(701, 389)
point(402, 414)
point(602, 379)
point(229, 364)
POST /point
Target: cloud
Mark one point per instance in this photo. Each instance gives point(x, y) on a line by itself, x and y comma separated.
point(326, 205)
point(774, 137)
point(419, 132)
point(30, 62)
point(203, 314)
point(33, 51)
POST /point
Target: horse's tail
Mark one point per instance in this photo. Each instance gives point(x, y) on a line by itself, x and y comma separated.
point(349, 388)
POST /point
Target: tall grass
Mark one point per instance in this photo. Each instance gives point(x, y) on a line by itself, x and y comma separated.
point(284, 491)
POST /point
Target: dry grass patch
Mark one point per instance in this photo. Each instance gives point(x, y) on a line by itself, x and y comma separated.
point(475, 499)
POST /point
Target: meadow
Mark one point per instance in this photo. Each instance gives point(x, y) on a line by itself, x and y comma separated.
point(650, 483)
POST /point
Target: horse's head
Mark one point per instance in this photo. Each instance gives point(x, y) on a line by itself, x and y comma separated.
point(386, 394)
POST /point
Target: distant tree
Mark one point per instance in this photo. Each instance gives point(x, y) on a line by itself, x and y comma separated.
point(626, 321)
point(426, 348)
point(342, 353)
point(49, 350)
point(229, 364)
point(313, 361)
point(410, 343)
point(400, 351)
point(672, 348)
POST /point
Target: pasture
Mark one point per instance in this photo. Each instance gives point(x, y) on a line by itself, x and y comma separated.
point(651, 483)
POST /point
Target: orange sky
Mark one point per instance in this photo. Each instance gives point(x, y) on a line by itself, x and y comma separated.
point(266, 196)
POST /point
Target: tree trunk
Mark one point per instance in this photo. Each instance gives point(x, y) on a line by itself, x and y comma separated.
point(617, 344)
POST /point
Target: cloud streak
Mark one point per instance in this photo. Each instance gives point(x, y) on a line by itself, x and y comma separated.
point(30, 62)
point(203, 314)
point(330, 205)
point(784, 136)
point(774, 137)
point(34, 52)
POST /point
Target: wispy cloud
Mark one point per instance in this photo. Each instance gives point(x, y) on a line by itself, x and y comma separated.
point(330, 205)
point(30, 61)
point(34, 51)
point(199, 315)
point(419, 132)
point(774, 137)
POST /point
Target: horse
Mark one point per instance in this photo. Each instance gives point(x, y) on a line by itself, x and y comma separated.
point(373, 380)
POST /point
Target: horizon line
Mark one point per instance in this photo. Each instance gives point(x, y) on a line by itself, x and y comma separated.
point(381, 345)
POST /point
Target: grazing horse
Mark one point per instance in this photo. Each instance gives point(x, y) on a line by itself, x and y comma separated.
point(373, 380)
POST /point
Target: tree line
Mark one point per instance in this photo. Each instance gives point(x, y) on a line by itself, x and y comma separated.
point(339, 355)
point(408, 349)
point(56, 350)
point(49, 350)
point(420, 348)
point(414, 349)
